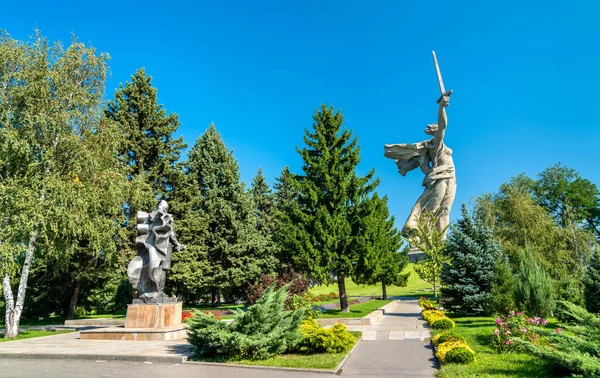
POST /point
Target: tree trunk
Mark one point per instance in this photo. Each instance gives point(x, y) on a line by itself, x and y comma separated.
point(383, 290)
point(15, 309)
point(591, 222)
point(215, 297)
point(73, 302)
point(435, 288)
point(343, 298)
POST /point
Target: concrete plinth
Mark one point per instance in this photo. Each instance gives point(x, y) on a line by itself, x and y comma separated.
point(150, 321)
point(138, 334)
point(158, 315)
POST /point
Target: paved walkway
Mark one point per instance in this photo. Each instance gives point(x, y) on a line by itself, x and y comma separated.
point(70, 346)
point(394, 346)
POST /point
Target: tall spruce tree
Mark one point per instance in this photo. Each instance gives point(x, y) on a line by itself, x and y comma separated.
point(229, 249)
point(329, 193)
point(285, 200)
point(468, 277)
point(150, 148)
point(382, 260)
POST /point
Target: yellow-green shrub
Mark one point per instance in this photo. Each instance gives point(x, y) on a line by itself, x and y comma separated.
point(432, 314)
point(447, 337)
point(316, 339)
point(442, 323)
point(446, 347)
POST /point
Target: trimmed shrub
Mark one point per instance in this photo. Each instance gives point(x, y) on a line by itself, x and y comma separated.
point(443, 349)
point(430, 315)
point(444, 337)
point(316, 339)
point(460, 356)
point(264, 330)
point(426, 304)
point(444, 323)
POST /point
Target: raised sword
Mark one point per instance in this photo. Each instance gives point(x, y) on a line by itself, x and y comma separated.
point(440, 81)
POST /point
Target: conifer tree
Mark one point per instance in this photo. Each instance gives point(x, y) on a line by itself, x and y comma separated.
point(381, 262)
point(285, 200)
point(228, 248)
point(592, 284)
point(150, 148)
point(469, 275)
point(264, 204)
point(329, 193)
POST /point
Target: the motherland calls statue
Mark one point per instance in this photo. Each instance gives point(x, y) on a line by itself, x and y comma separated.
point(435, 161)
point(155, 242)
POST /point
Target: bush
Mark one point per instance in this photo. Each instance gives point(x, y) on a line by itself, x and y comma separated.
point(305, 302)
point(426, 304)
point(444, 337)
point(443, 349)
point(265, 330)
point(460, 356)
point(592, 284)
point(297, 285)
point(79, 312)
point(514, 326)
point(444, 323)
point(316, 339)
point(503, 288)
point(534, 289)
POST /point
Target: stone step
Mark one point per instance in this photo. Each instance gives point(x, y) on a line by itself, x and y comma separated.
point(402, 335)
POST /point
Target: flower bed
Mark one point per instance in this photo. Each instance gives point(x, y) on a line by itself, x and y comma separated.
point(516, 325)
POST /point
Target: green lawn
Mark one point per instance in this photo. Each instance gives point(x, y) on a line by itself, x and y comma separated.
point(478, 332)
point(415, 287)
point(31, 334)
point(304, 361)
point(356, 311)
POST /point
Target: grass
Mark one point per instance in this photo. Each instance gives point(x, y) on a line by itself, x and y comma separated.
point(356, 311)
point(31, 334)
point(414, 287)
point(488, 363)
point(305, 361)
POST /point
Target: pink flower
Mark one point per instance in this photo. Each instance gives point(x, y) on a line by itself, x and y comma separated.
point(511, 312)
point(521, 313)
point(498, 321)
point(544, 322)
point(524, 330)
point(559, 330)
point(507, 342)
point(497, 332)
point(508, 332)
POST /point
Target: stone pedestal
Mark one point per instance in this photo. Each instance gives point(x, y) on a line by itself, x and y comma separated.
point(153, 315)
point(155, 321)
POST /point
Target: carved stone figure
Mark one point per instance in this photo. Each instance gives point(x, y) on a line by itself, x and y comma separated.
point(155, 242)
point(435, 161)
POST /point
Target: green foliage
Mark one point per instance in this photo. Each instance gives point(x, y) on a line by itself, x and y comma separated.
point(575, 348)
point(427, 238)
point(533, 288)
point(592, 284)
point(452, 337)
point(503, 287)
point(443, 323)
point(322, 222)
point(460, 356)
point(380, 262)
point(468, 276)
point(569, 197)
point(61, 184)
point(266, 329)
point(306, 302)
point(226, 251)
point(316, 339)
point(149, 148)
point(546, 218)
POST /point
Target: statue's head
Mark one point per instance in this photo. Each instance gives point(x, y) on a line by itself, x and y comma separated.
point(431, 129)
point(163, 206)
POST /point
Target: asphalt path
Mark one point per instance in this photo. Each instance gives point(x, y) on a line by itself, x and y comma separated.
point(13, 368)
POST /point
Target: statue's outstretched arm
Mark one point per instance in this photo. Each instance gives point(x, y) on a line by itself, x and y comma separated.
point(442, 120)
point(175, 242)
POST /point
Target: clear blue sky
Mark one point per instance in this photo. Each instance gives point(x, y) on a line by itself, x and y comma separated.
point(525, 76)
